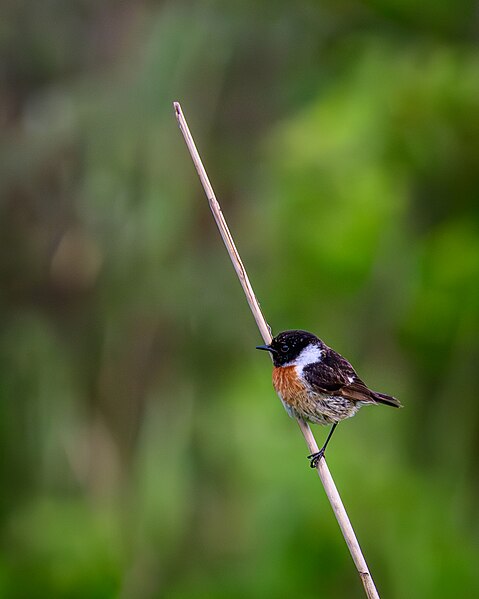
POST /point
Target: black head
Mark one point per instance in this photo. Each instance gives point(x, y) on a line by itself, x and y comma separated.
point(287, 346)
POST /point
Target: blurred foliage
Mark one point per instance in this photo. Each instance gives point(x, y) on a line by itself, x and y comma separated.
point(142, 450)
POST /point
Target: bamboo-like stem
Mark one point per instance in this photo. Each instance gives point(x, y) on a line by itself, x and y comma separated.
point(265, 330)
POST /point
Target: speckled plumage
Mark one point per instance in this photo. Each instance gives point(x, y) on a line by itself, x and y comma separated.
point(315, 407)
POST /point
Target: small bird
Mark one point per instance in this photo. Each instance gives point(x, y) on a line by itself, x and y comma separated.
point(317, 384)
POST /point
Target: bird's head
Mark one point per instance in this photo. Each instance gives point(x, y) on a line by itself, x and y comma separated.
point(292, 347)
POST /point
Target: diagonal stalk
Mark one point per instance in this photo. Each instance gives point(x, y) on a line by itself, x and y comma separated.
point(322, 468)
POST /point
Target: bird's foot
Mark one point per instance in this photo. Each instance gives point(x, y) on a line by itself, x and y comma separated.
point(315, 457)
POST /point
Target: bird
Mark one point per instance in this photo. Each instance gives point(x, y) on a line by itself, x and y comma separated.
point(316, 384)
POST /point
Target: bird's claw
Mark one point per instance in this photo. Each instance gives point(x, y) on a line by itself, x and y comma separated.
point(315, 457)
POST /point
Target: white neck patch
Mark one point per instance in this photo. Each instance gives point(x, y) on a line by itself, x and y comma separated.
point(309, 355)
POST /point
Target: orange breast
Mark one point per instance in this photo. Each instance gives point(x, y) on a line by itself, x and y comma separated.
point(288, 386)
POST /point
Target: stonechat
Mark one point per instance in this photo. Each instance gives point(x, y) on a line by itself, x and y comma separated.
point(317, 384)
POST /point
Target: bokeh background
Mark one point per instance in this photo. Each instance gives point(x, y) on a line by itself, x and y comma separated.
point(143, 453)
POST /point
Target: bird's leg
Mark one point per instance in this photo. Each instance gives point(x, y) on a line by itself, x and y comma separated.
point(315, 457)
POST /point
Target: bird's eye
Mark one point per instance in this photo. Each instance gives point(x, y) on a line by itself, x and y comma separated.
point(285, 348)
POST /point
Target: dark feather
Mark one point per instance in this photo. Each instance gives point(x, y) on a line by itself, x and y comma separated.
point(358, 391)
point(387, 400)
point(334, 375)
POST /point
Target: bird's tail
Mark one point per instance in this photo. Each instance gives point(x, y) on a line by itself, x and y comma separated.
point(387, 400)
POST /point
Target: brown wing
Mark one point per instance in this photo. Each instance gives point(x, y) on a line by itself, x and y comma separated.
point(358, 391)
point(335, 375)
point(331, 374)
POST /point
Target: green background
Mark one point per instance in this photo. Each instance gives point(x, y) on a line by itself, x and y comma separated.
point(143, 453)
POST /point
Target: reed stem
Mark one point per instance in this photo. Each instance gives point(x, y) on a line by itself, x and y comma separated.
point(265, 330)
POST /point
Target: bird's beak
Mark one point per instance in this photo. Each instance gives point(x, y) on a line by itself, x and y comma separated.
point(266, 348)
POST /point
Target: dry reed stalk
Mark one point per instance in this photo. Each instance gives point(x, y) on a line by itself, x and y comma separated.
point(265, 330)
